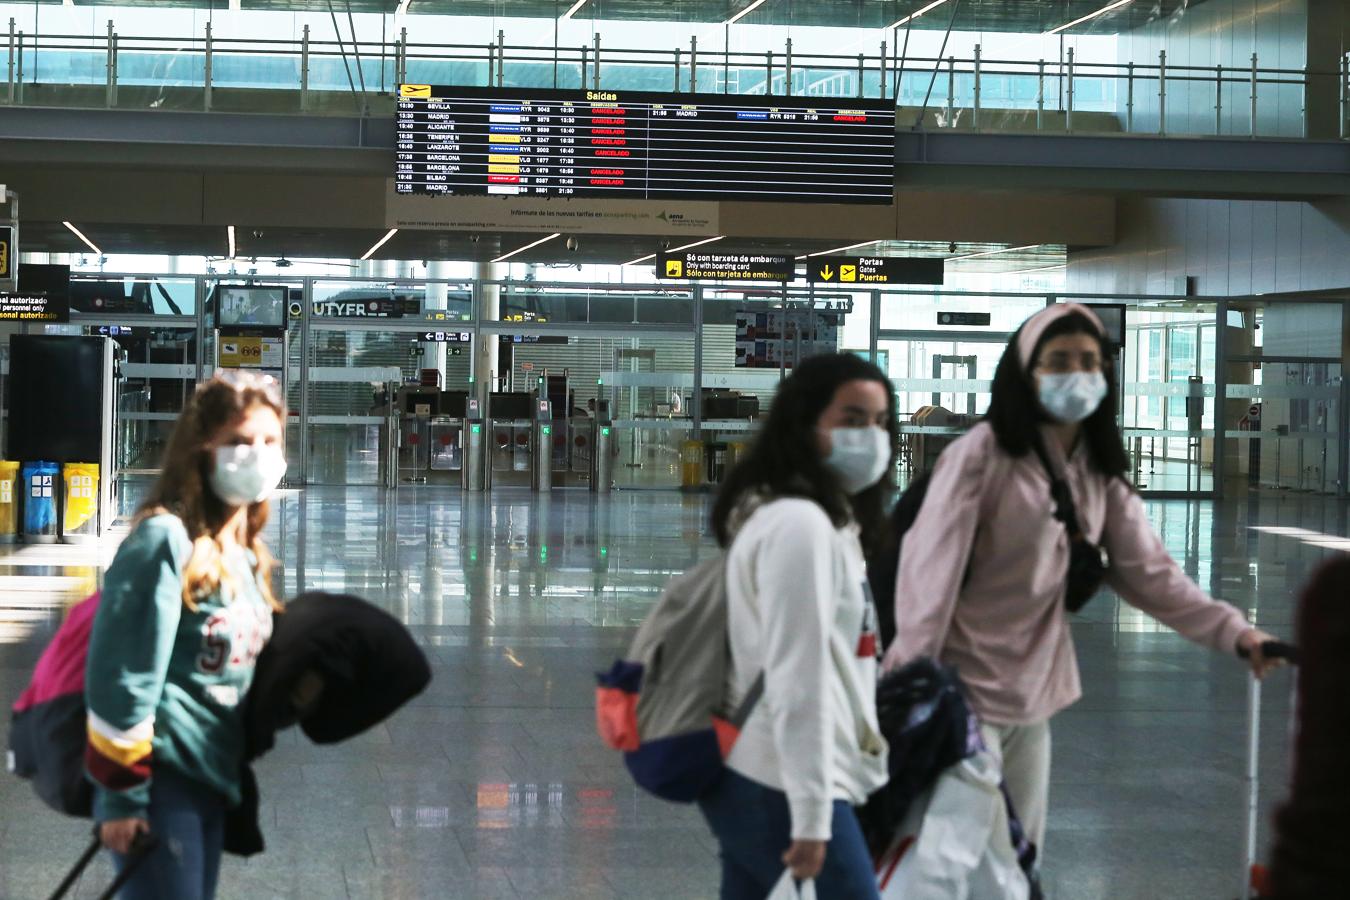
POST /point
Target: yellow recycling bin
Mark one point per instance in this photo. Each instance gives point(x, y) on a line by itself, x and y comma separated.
point(80, 521)
point(691, 465)
point(9, 501)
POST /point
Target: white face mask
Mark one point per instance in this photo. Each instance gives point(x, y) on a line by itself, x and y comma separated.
point(1073, 396)
point(247, 473)
point(858, 457)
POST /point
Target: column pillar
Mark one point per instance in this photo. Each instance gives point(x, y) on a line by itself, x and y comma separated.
point(1328, 31)
point(486, 347)
point(433, 353)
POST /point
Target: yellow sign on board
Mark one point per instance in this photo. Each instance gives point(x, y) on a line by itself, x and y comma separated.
point(415, 91)
point(251, 352)
point(674, 268)
point(848, 273)
point(6, 238)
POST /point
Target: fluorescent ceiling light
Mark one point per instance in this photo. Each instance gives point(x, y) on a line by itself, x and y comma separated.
point(1090, 16)
point(991, 253)
point(696, 244)
point(745, 12)
point(842, 249)
point(88, 243)
point(641, 259)
point(1037, 269)
point(912, 16)
point(380, 243)
point(578, 5)
point(506, 256)
point(402, 7)
point(229, 231)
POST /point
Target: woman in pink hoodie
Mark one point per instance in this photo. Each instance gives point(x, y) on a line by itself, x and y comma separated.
point(983, 576)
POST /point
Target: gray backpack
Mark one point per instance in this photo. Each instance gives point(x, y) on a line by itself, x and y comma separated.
point(665, 706)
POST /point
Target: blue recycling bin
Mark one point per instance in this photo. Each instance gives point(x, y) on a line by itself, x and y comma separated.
point(40, 482)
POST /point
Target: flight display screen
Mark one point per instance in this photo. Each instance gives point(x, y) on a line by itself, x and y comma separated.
point(635, 145)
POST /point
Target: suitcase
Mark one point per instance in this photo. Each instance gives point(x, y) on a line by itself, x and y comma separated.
point(143, 846)
point(1254, 874)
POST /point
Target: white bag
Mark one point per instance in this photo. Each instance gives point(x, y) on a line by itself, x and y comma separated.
point(787, 889)
point(954, 843)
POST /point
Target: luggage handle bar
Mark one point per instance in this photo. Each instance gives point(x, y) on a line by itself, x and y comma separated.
point(141, 847)
point(1275, 650)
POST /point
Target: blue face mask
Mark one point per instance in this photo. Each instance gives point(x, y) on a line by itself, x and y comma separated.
point(1072, 397)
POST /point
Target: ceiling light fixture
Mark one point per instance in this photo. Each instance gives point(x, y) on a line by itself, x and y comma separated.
point(1037, 269)
point(229, 231)
point(79, 234)
point(573, 11)
point(747, 11)
point(506, 256)
point(380, 243)
point(842, 249)
point(402, 7)
point(696, 244)
point(1090, 16)
point(912, 16)
point(641, 259)
point(990, 253)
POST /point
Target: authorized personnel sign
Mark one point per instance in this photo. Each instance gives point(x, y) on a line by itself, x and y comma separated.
point(33, 307)
point(874, 270)
point(7, 251)
point(696, 265)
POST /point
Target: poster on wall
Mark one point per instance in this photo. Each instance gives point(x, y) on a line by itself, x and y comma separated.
point(772, 339)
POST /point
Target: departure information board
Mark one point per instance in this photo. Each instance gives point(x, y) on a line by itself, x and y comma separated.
point(621, 144)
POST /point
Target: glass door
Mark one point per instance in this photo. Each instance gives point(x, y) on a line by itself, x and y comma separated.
point(1285, 398)
point(154, 322)
point(1167, 376)
point(364, 336)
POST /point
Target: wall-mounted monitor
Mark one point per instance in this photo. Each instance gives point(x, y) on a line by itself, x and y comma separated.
point(251, 305)
point(535, 142)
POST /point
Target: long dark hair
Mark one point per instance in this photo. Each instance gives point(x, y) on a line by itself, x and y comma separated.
point(1016, 414)
point(785, 461)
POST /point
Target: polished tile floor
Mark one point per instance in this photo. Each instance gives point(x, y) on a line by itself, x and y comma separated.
point(492, 783)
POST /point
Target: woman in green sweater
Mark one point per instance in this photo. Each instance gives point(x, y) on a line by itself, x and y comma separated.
point(187, 606)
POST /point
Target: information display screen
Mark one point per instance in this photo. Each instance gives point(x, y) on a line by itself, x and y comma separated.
point(636, 145)
point(252, 306)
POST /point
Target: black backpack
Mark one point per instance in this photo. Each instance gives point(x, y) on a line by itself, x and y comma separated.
point(885, 564)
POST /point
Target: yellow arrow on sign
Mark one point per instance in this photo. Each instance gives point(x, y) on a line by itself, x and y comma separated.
point(827, 273)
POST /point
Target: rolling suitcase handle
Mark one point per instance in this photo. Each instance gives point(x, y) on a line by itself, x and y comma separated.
point(140, 849)
point(1270, 650)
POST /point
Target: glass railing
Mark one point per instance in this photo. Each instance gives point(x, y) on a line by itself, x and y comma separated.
point(203, 72)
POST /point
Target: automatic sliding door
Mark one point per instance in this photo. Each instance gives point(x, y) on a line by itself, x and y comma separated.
point(1284, 397)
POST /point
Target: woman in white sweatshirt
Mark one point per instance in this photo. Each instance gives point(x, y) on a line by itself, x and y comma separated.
point(797, 513)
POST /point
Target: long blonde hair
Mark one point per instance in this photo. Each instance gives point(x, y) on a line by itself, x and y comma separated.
point(183, 488)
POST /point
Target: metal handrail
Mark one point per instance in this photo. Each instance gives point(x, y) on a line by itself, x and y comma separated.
point(789, 71)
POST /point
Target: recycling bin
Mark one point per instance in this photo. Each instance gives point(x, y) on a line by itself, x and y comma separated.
point(79, 520)
point(9, 501)
point(39, 480)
